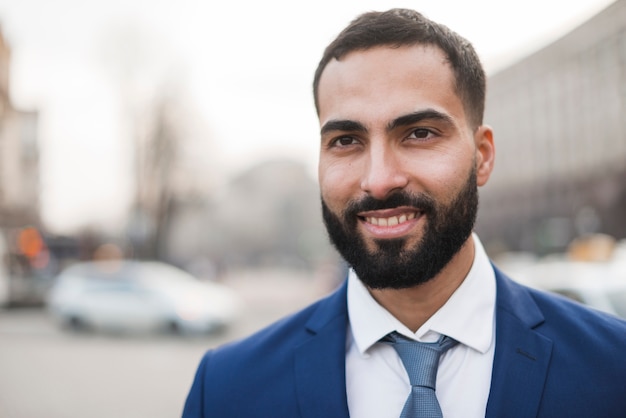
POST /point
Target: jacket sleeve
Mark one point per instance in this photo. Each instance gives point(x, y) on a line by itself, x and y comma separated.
point(194, 405)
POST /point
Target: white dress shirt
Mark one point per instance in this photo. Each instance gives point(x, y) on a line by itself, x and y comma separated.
point(377, 383)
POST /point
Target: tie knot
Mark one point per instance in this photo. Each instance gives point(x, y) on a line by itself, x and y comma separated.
point(420, 360)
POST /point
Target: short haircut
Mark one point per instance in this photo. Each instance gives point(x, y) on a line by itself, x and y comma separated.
point(403, 27)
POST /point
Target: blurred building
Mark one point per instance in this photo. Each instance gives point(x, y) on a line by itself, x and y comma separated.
point(172, 174)
point(269, 215)
point(19, 155)
point(559, 118)
point(24, 255)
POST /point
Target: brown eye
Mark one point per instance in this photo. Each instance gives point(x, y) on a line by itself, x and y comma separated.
point(421, 133)
point(344, 141)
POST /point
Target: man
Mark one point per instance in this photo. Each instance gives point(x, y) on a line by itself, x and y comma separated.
point(400, 102)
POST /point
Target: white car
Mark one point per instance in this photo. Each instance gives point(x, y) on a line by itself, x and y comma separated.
point(140, 296)
point(600, 285)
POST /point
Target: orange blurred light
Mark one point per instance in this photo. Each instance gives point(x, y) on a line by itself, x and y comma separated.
point(29, 242)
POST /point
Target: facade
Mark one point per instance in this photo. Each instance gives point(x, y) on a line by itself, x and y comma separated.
point(24, 256)
point(559, 118)
point(284, 231)
point(19, 155)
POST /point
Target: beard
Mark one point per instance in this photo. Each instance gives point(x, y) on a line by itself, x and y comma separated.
point(391, 265)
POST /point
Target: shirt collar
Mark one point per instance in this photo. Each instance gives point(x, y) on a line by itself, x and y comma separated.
point(467, 316)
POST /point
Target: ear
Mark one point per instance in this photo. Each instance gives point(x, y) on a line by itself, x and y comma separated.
point(485, 153)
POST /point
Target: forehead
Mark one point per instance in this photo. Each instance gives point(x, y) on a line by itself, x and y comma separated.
point(383, 82)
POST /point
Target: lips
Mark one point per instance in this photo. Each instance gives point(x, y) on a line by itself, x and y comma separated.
point(390, 223)
point(391, 220)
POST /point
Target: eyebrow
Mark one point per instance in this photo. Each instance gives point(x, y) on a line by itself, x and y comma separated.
point(343, 125)
point(415, 117)
point(404, 120)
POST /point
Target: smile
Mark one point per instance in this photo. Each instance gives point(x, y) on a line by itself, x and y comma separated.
point(391, 220)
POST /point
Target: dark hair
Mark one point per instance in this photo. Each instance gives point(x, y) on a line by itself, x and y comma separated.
point(402, 27)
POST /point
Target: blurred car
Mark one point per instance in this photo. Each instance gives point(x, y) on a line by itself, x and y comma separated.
point(600, 285)
point(139, 296)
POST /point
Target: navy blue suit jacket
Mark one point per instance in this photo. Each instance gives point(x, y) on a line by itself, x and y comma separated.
point(553, 358)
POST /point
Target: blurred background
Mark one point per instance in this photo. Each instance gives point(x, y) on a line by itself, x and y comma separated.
point(152, 149)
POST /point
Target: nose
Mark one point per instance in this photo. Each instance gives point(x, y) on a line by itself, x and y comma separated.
point(384, 174)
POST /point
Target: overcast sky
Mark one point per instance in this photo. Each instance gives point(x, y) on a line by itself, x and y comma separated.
point(242, 68)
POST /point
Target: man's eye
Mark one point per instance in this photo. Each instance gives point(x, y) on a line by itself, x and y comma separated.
point(344, 141)
point(421, 133)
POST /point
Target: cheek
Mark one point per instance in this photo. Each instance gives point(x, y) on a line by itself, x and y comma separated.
point(338, 183)
point(442, 173)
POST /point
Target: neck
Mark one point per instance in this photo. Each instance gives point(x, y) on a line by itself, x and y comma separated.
point(415, 305)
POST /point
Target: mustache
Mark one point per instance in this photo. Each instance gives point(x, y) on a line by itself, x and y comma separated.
point(420, 201)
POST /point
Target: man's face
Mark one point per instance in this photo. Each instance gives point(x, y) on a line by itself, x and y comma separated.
point(399, 164)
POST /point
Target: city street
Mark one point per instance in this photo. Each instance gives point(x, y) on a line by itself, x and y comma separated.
point(52, 373)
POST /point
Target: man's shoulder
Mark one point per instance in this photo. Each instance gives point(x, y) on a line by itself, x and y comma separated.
point(270, 362)
point(563, 317)
point(568, 316)
point(546, 345)
point(289, 331)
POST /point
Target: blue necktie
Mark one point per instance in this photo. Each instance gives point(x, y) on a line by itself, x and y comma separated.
point(421, 361)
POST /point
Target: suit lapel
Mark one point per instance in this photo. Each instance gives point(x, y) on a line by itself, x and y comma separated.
point(522, 355)
point(521, 361)
point(319, 362)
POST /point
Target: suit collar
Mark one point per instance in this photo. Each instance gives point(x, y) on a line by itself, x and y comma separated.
point(520, 365)
point(320, 361)
point(328, 309)
point(522, 354)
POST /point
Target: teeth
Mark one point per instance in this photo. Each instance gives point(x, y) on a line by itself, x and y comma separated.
point(391, 221)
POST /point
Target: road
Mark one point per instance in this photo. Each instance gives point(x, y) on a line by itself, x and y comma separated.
point(51, 373)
